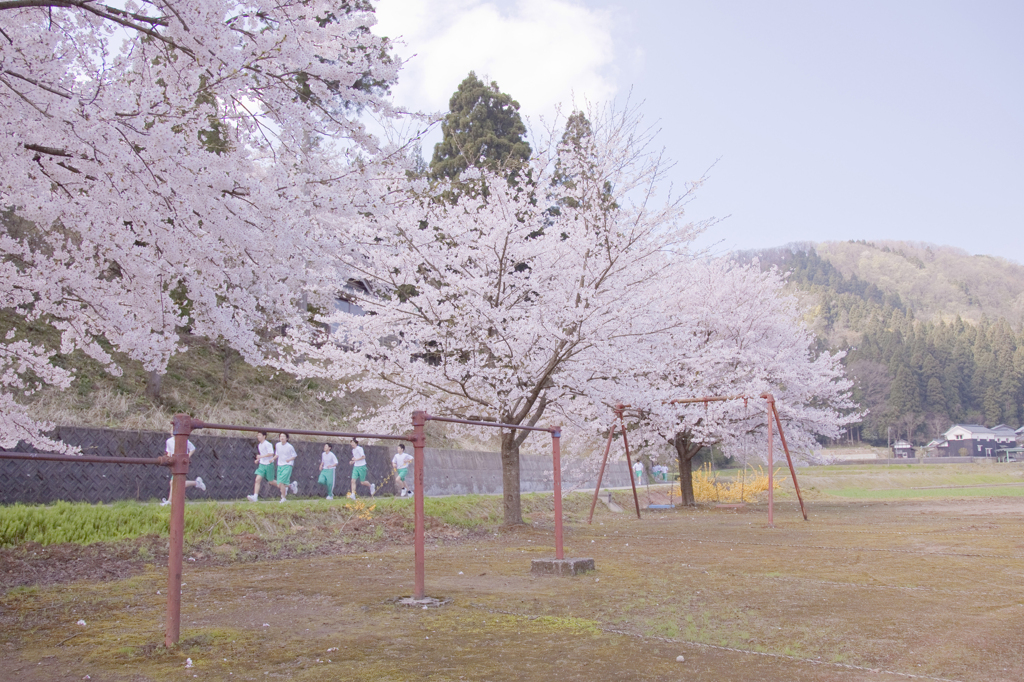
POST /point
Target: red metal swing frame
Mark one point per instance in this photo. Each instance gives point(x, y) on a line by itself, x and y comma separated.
point(773, 414)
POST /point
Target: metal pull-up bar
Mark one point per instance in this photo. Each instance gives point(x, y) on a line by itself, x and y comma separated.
point(182, 426)
point(419, 419)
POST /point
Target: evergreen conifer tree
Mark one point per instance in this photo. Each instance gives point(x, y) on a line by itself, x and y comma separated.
point(482, 129)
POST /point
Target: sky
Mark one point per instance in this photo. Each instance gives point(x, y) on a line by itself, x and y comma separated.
point(810, 121)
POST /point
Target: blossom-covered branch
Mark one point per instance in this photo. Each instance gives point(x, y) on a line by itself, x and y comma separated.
point(173, 163)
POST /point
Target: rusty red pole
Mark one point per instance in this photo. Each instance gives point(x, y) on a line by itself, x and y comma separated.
point(771, 463)
point(419, 418)
point(792, 469)
point(629, 465)
point(556, 456)
point(181, 428)
point(600, 475)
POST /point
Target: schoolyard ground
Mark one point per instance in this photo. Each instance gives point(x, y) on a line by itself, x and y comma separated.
point(887, 580)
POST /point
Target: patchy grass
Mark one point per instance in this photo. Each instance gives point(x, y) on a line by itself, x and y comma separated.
point(861, 591)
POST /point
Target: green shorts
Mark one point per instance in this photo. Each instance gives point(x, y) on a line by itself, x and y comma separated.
point(327, 478)
point(266, 471)
point(402, 472)
point(359, 473)
point(284, 474)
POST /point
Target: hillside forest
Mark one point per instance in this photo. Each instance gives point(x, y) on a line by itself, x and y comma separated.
point(932, 335)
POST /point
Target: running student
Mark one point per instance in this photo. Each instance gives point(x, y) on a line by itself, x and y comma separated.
point(285, 458)
point(400, 463)
point(264, 465)
point(198, 483)
point(328, 462)
point(359, 470)
point(638, 471)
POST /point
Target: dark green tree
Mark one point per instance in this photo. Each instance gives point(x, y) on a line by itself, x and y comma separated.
point(482, 129)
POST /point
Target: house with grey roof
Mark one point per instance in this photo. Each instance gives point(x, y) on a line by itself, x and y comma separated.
point(1005, 436)
point(971, 440)
point(902, 449)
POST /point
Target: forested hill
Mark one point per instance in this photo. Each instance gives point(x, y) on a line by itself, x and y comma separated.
point(933, 335)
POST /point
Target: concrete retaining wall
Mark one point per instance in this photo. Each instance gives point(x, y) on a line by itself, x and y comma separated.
point(464, 472)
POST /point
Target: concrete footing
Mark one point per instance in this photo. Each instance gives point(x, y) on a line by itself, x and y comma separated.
point(561, 566)
point(425, 603)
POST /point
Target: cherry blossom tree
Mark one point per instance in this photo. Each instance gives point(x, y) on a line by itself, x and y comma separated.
point(175, 158)
point(496, 306)
point(729, 330)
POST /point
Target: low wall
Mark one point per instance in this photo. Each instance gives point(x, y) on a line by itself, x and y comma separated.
point(463, 472)
point(226, 465)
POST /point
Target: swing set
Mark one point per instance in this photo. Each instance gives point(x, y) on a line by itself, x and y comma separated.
point(620, 412)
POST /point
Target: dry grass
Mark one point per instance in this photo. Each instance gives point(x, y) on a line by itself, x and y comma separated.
point(205, 381)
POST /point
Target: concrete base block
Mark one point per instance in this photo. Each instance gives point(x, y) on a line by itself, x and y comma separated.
point(561, 566)
point(425, 603)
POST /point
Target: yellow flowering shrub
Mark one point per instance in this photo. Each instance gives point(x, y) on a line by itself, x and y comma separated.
point(745, 487)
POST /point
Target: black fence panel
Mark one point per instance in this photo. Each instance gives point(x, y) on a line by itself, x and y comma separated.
point(225, 463)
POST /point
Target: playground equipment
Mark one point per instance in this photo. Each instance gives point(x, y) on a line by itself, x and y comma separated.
point(560, 565)
point(619, 411)
point(182, 427)
point(773, 415)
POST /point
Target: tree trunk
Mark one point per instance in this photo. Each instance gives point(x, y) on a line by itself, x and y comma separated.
point(685, 451)
point(154, 382)
point(510, 478)
point(226, 358)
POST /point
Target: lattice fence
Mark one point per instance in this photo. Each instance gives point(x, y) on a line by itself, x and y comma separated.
point(224, 462)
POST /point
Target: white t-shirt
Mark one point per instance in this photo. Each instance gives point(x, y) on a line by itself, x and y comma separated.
point(266, 452)
point(328, 460)
point(638, 468)
point(169, 447)
point(285, 454)
point(401, 460)
point(358, 456)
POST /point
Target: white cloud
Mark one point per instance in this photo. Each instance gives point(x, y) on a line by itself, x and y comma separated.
point(542, 52)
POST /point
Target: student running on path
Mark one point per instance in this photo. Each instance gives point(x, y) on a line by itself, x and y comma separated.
point(359, 470)
point(328, 462)
point(264, 465)
point(400, 463)
point(638, 471)
point(198, 483)
point(285, 458)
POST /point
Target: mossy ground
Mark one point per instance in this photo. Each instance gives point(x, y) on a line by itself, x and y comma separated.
point(864, 590)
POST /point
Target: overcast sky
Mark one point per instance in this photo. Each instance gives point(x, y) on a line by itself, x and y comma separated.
point(822, 120)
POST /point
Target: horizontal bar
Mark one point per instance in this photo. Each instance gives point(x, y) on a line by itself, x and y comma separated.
point(196, 424)
point(99, 459)
point(497, 424)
